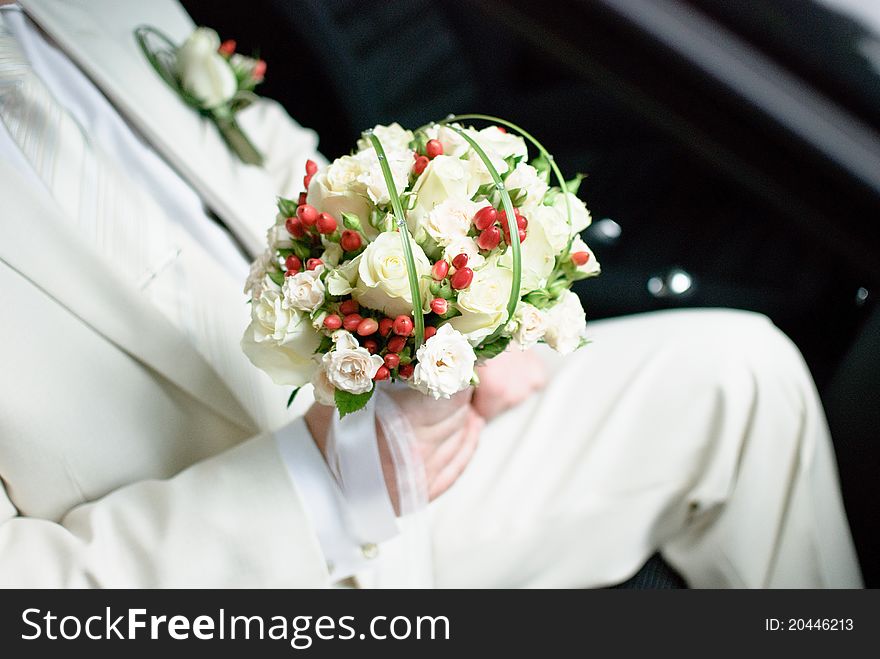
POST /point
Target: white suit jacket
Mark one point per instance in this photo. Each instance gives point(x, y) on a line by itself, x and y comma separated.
point(125, 459)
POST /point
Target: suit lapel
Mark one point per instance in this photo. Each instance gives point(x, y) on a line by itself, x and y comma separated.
point(90, 290)
point(99, 36)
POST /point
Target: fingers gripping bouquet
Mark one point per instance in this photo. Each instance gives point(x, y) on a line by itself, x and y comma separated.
point(414, 259)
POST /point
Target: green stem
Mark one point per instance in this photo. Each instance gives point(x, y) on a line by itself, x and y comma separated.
point(238, 141)
point(400, 219)
point(530, 138)
point(513, 230)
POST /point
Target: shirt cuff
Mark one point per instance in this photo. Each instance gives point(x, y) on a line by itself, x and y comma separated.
point(331, 515)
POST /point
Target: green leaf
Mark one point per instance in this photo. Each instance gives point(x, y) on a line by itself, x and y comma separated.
point(351, 221)
point(540, 299)
point(325, 345)
point(493, 349)
point(292, 396)
point(574, 184)
point(301, 250)
point(484, 191)
point(542, 164)
point(276, 276)
point(347, 403)
point(419, 142)
point(287, 207)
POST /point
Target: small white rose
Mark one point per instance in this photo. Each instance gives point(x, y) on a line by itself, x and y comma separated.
point(556, 229)
point(383, 282)
point(591, 267)
point(483, 304)
point(500, 143)
point(325, 392)
point(393, 138)
point(332, 253)
point(203, 72)
point(450, 220)
point(465, 245)
point(280, 340)
point(580, 216)
point(326, 199)
point(261, 265)
point(351, 369)
point(344, 340)
point(278, 237)
point(342, 174)
point(445, 364)
point(526, 178)
point(342, 280)
point(566, 324)
point(537, 256)
point(372, 179)
point(444, 178)
point(304, 290)
point(528, 325)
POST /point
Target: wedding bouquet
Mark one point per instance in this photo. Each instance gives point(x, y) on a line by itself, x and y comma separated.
point(415, 258)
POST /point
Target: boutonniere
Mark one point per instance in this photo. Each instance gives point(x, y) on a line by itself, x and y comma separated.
point(210, 77)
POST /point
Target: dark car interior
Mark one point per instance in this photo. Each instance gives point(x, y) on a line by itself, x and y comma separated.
point(732, 155)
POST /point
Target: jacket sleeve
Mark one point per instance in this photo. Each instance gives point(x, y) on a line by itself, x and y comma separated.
point(232, 520)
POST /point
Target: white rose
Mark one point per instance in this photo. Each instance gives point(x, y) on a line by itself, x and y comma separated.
point(483, 304)
point(555, 225)
point(566, 324)
point(453, 143)
point(591, 267)
point(261, 265)
point(383, 282)
point(501, 144)
point(445, 364)
point(280, 340)
point(372, 179)
point(444, 178)
point(332, 252)
point(526, 178)
point(450, 220)
point(325, 392)
point(538, 258)
point(278, 237)
point(203, 72)
point(528, 325)
point(465, 245)
point(351, 369)
point(580, 216)
point(304, 290)
point(336, 202)
point(393, 138)
point(342, 174)
point(342, 280)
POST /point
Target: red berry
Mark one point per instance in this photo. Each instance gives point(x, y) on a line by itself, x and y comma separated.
point(522, 235)
point(396, 343)
point(349, 306)
point(311, 167)
point(434, 148)
point(385, 326)
point(294, 227)
point(292, 262)
point(290, 273)
point(307, 181)
point(259, 71)
point(430, 331)
point(403, 325)
point(382, 374)
point(439, 306)
point(332, 322)
point(326, 223)
point(580, 258)
point(350, 240)
point(227, 48)
point(406, 371)
point(371, 346)
point(485, 218)
point(501, 128)
point(307, 214)
point(460, 261)
point(462, 278)
point(312, 264)
point(420, 164)
point(367, 327)
point(440, 270)
point(302, 197)
point(392, 360)
point(521, 222)
point(490, 238)
point(351, 322)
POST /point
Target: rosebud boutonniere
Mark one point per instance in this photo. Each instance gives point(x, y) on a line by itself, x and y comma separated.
point(209, 76)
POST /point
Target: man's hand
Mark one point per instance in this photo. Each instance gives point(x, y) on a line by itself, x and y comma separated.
point(445, 436)
point(507, 380)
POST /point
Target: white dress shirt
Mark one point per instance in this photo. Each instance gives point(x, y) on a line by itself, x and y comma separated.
point(328, 509)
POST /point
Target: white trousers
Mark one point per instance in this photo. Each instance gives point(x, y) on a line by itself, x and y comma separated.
point(698, 433)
